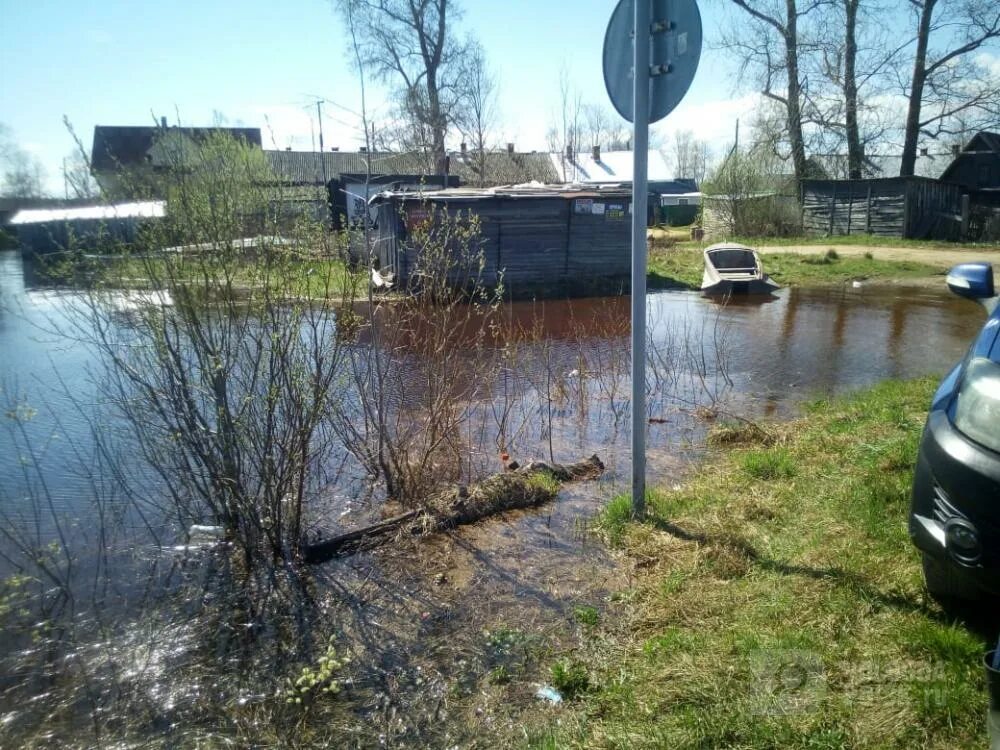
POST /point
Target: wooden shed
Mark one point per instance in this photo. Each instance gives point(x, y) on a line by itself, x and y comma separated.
point(905, 207)
point(537, 239)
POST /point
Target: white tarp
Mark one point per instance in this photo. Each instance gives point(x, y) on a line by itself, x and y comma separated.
point(143, 210)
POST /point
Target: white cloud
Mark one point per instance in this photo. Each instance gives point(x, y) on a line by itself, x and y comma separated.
point(712, 121)
point(990, 62)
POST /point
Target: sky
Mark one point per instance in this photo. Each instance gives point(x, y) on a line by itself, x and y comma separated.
point(262, 63)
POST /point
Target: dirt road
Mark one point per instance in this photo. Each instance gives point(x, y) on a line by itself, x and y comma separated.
point(942, 258)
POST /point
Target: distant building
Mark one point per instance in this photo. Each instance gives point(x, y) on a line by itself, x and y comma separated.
point(977, 166)
point(125, 159)
point(677, 200)
point(929, 163)
point(303, 174)
point(493, 168)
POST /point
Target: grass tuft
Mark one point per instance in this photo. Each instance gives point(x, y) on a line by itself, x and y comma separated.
point(776, 463)
point(613, 519)
point(570, 678)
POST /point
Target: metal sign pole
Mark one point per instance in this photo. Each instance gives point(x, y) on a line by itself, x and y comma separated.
point(640, 197)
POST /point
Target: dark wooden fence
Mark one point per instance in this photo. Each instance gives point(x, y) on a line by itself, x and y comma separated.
point(906, 207)
point(575, 243)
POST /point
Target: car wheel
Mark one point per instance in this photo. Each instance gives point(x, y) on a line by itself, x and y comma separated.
point(947, 582)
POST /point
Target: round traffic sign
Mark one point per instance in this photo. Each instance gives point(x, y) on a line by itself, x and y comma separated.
point(675, 49)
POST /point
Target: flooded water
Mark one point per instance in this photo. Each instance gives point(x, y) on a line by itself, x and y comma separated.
point(779, 350)
point(422, 619)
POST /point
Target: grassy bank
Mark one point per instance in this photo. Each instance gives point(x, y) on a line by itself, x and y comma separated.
point(683, 267)
point(777, 601)
point(682, 235)
point(313, 278)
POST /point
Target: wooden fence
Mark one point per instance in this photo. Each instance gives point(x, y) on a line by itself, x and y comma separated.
point(907, 207)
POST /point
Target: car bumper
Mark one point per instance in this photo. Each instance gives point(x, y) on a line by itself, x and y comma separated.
point(956, 478)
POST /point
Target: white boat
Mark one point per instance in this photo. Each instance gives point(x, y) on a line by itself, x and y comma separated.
point(734, 269)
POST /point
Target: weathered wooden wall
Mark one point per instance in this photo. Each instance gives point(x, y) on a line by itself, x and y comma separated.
point(912, 207)
point(535, 244)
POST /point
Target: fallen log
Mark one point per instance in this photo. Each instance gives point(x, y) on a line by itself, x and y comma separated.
point(527, 487)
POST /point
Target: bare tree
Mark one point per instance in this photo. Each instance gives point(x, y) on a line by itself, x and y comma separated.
point(477, 117)
point(770, 49)
point(21, 173)
point(603, 127)
point(565, 132)
point(690, 156)
point(949, 88)
point(852, 69)
point(410, 44)
point(80, 183)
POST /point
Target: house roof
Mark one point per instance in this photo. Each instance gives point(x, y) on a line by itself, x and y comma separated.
point(984, 140)
point(127, 145)
point(612, 167)
point(307, 167)
point(504, 168)
point(931, 165)
point(500, 167)
point(511, 192)
point(982, 146)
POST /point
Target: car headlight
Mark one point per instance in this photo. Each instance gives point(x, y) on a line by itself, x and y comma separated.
point(977, 412)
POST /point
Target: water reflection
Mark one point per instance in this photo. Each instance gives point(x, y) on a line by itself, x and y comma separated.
point(798, 343)
point(775, 351)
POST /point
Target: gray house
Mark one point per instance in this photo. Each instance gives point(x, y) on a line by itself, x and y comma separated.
point(125, 158)
point(535, 239)
point(977, 166)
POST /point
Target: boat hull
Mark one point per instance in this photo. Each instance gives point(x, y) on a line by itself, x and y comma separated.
point(752, 286)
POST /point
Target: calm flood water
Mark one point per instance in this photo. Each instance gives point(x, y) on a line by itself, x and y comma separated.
point(414, 616)
point(778, 351)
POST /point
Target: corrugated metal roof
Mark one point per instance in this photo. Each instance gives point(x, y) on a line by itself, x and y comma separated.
point(307, 167)
point(500, 167)
point(885, 165)
point(613, 166)
point(143, 210)
point(503, 168)
point(526, 190)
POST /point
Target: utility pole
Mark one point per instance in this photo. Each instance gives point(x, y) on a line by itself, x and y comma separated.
point(668, 34)
point(322, 158)
point(640, 198)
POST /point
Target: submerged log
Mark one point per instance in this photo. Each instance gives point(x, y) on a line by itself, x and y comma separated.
point(527, 487)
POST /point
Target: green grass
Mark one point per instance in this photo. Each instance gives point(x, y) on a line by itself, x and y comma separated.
point(586, 615)
point(862, 240)
point(570, 678)
point(683, 268)
point(299, 277)
point(777, 602)
point(775, 463)
point(613, 519)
